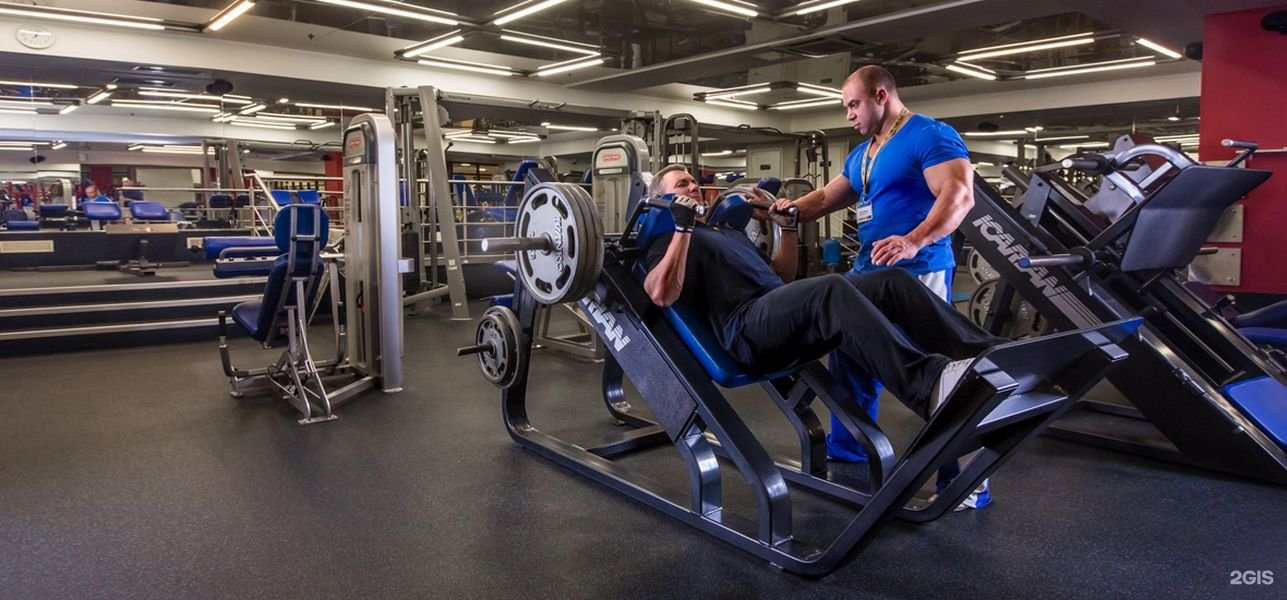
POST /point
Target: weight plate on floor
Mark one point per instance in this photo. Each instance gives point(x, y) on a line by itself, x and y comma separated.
point(565, 213)
point(499, 329)
point(979, 268)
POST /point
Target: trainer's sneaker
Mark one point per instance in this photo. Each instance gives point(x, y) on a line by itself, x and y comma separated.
point(947, 381)
point(979, 498)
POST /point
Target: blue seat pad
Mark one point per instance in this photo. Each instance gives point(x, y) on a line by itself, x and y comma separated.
point(242, 267)
point(1263, 400)
point(152, 211)
point(101, 211)
point(1266, 336)
point(214, 245)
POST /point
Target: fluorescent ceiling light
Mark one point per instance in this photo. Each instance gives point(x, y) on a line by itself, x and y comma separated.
point(745, 9)
point(191, 96)
point(817, 5)
point(720, 153)
point(224, 117)
point(805, 104)
point(232, 11)
point(1008, 132)
point(81, 16)
point(58, 86)
point(384, 8)
point(322, 125)
point(252, 109)
point(726, 94)
point(544, 42)
point(98, 97)
point(17, 148)
point(476, 140)
point(68, 108)
point(249, 123)
point(1176, 138)
point(1093, 68)
point(25, 104)
point(21, 143)
point(340, 107)
point(972, 72)
point(1032, 46)
point(817, 90)
point(984, 164)
point(464, 66)
point(742, 104)
point(135, 147)
point(1033, 129)
point(1086, 145)
point(285, 117)
point(526, 140)
point(523, 12)
point(283, 100)
point(212, 110)
point(442, 41)
point(1173, 118)
point(1062, 138)
point(151, 150)
point(564, 67)
point(568, 127)
point(58, 146)
point(17, 111)
point(1160, 49)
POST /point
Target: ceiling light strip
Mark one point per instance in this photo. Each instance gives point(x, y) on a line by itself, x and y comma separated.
point(58, 86)
point(544, 42)
point(442, 41)
point(340, 107)
point(805, 104)
point(1160, 49)
point(415, 12)
point(548, 70)
point(738, 8)
point(523, 12)
point(971, 72)
point(726, 94)
point(1097, 69)
point(471, 67)
point(818, 5)
point(1026, 49)
point(226, 16)
point(1028, 43)
point(82, 16)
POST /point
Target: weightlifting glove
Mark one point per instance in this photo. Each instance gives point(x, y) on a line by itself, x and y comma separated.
point(684, 210)
point(788, 220)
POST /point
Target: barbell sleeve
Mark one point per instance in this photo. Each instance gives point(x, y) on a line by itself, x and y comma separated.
point(541, 242)
point(475, 349)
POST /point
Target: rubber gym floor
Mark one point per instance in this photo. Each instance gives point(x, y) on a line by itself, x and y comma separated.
point(131, 473)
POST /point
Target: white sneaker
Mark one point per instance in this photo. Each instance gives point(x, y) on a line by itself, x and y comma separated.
point(947, 381)
point(979, 498)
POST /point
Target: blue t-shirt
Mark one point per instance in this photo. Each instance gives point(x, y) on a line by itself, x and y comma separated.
point(900, 198)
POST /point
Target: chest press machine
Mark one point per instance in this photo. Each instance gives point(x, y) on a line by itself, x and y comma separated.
point(368, 342)
point(672, 358)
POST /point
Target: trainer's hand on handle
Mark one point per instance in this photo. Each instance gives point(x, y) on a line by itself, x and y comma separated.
point(684, 210)
point(892, 250)
point(788, 219)
point(782, 205)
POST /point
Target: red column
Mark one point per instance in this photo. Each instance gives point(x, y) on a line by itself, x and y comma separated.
point(1244, 96)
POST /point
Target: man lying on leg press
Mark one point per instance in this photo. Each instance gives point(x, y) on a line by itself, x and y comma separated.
point(885, 321)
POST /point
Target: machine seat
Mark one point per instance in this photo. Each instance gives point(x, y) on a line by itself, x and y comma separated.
point(229, 268)
point(651, 222)
point(309, 196)
point(302, 228)
point(1266, 336)
point(17, 220)
point(1274, 316)
point(149, 211)
point(53, 211)
point(1264, 401)
point(246, 315)
point(215, 245)
point(102, 211)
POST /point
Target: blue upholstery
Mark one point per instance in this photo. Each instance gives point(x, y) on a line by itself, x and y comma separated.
point(772, 185)
point(831, 252)
point(149, 211)
point(1263, 400)
point(17, 220)
point(1274, 315)
point(220, 201)
point(102, 211)
point(213, 246)
point(53, 211)
point(464, 192)
point(259, 317)
point(693, 328)
point(135, 195)
point(515, 192)
point(309, 196)
point(733, 212)
point(281, 197)
point(1266, 336)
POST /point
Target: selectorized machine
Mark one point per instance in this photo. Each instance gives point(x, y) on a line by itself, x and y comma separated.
point(368, 339)
point(672, 358)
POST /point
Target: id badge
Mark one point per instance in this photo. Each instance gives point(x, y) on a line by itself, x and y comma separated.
point(864, 210)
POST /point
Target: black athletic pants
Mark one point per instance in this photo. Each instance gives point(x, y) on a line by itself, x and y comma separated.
point(886, 321)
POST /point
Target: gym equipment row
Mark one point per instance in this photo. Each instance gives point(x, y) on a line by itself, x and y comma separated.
point(1202, 390)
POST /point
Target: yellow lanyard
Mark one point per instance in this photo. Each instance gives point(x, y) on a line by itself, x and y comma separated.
point(867, 165)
